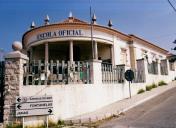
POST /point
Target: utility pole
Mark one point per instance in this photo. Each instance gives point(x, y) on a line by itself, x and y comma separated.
point(91, 24)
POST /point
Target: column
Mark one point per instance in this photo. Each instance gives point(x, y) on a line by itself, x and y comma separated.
point(95, 50)
point(31, 54)
point(46, 52)
point(112, 55)
point(71, 51)
point(132, 55)
point(46, 63)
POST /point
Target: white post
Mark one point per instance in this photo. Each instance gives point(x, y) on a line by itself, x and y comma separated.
point(23, 122)
point(47, 121)
point(71, 51)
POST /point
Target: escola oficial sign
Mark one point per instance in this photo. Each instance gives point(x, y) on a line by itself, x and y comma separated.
point(59, 33)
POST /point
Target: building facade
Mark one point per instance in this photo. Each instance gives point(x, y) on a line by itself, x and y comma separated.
point(80, 63)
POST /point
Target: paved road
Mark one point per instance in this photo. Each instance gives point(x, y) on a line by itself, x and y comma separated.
point(160, 112)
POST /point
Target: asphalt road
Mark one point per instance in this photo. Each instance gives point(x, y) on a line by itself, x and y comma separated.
point(159, 112)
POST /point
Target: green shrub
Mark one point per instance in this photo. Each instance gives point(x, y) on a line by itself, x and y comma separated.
point(140, 91)
point(161, 83)
point(154, 85)
point(148, 87)
point(60, 122)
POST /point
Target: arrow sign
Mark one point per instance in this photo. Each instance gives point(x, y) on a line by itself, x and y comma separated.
point(18, 99)
point(50, 111)
point(34, 112)
point(34, 105)
point(18, 106)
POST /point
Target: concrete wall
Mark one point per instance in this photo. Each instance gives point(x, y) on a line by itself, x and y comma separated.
point(74, 100)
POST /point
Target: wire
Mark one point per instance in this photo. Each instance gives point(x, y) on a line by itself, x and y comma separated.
point(171, 5)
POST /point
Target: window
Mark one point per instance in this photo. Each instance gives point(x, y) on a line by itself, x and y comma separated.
point(123, 56)
point(163, 67)
point(172, 66)
point(153, 67)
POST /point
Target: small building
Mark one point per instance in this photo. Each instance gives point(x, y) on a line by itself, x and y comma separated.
point(82, 66)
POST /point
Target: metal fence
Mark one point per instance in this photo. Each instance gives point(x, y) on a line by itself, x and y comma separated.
point(58, 72)
point(112, 74)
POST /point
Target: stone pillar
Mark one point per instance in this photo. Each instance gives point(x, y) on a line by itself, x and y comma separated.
point(71, 51)
point(112, 55)
point(13, 81)
point(31, 54)
point(95, 51)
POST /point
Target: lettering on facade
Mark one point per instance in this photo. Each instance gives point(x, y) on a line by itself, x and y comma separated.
point(59, 33)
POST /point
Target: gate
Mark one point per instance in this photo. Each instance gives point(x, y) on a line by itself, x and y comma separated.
point(2, 75)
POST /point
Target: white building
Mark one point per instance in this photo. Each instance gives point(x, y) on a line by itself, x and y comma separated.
point(84, 73)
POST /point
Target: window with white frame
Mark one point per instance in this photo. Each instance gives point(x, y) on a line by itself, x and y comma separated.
point(163, 67)
point(123, 56)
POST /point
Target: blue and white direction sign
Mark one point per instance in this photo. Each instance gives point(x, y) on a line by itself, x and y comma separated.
point(34, 105)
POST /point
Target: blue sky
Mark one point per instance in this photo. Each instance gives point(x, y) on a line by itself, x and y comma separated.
point(153, 20)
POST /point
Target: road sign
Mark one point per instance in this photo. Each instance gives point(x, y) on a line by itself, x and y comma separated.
point(20, 99)
point(34, 105)
point(129, 75)
point(34, 112)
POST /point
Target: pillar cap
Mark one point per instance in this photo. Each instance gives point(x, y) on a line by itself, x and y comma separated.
point(16, 54)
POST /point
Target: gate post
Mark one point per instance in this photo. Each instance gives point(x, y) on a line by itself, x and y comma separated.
point(13, 80)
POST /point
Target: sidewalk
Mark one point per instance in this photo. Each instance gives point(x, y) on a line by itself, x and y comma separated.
point(120, 106)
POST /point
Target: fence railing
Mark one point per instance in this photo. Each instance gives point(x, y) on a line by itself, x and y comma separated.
point(112, 74)
point(58, 72)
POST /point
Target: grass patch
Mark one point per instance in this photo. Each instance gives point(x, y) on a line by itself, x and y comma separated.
point(161, 83)
point(14, 126)
point(140, 91)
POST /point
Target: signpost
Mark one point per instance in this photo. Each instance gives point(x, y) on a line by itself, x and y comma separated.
point(33, 106)
point(129, 76)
